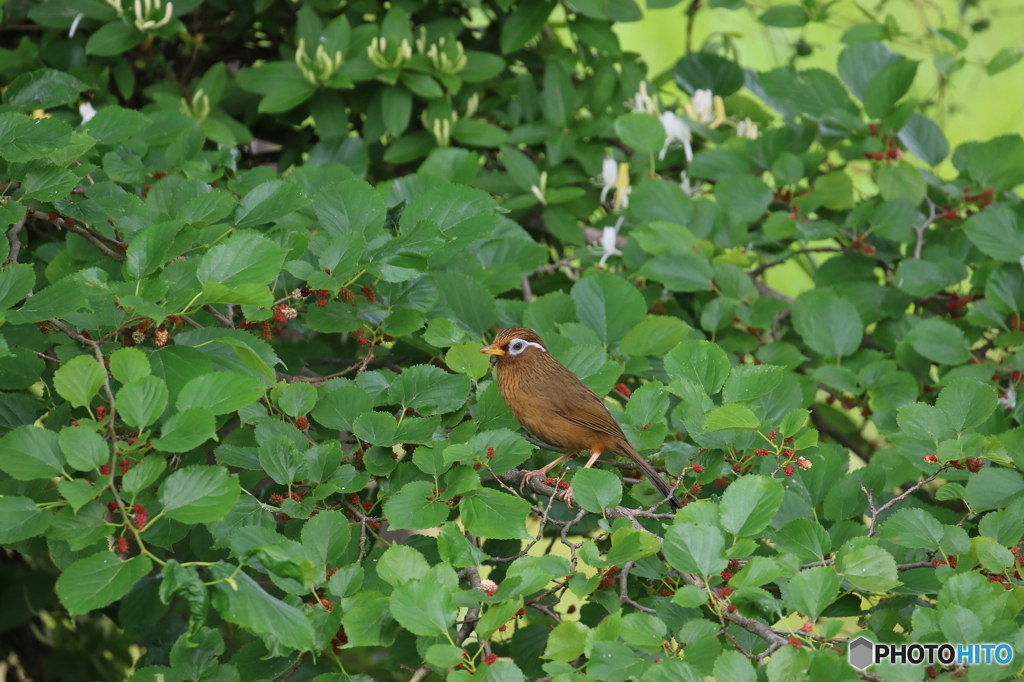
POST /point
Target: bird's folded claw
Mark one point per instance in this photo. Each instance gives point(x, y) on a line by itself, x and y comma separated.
point(529, 475)
point(566, 496)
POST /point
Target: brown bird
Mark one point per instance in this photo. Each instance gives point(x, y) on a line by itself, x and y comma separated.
point(557, 408)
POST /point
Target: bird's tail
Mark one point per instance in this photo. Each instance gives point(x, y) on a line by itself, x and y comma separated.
point(652, 475)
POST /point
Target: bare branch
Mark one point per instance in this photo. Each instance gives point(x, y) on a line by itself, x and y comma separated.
point(12, 238)
point(933, 215)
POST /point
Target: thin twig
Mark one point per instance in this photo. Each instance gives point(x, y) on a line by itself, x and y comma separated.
point(875, 511)
point(95, 238)
point(527, 291)
point(835, 434)
point(556, 266)
point(760, 269)
point(933, 215)
point(12, 237)
point(220, 318)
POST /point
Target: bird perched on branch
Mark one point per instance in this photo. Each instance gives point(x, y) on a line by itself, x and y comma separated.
point(557, 408)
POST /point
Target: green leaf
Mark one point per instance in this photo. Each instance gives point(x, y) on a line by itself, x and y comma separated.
point(113, 38)
point(127, 364)
point(889, 85)
point(241, 600)
point(423, 607)
point(115, 124)
point(704, 70)
point(141, 401)
point(523, 24)
point(25, 139)
point(79, 379)
point(967, 403)
point(376, 428)
point(467, 359)
point(609, 305)
point(745, 198)
point(49, 184)
point(429, 390)
point(494, 514)
point(350, 206)
point(654, 336)
point(209, 207)
point(296, 399)
point(997, 232)
point(750, 382)
point(242, 258)
point(925, 140)
point(919, 420)
point(411, 510)
point(443, 655)
point(43, 89)
point(940, 342)
point(828, 324)
point(84, 449)
point(642, 132)
point(144, 474)
point(16, 282)
point(220, 392)
point(998, 163)
point(284, 564)
point(596, 490)
point(281, 460)
point(1003, 60)
point(749, 504)
point(339, 408)
point(29, 452)
point(730, 416)
point(960, 624)
point(813, 589)
point(695, 548)
point(785, 16)
point(199, 494)
point(77, 492)
point(400, 564)
point(473, 132)
point(21, 519)
point(912, 528)
point(992, 555)
point(901, 181)
point(566, 642)
point(870, 568)
point(702, 362)
point(804, 538)
point(732, 665)
point(467, 302)
point(99, 580)
point(185, 430)
point(456, 549)
point(396, 109)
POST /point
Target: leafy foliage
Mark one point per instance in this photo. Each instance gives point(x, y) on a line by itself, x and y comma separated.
point(232, 390)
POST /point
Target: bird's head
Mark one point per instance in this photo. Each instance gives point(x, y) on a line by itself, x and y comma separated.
point(516, 345)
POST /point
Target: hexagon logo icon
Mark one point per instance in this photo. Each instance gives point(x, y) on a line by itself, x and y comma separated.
point(861, 653)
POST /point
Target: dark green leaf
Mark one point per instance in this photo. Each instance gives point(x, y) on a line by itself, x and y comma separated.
point(199, 494)
point(98, 580)
point(29, 452)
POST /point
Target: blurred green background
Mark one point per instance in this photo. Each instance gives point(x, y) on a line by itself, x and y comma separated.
point(975, 106)
point(968, 105)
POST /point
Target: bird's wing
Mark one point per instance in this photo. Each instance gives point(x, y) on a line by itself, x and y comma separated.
point(577, 404)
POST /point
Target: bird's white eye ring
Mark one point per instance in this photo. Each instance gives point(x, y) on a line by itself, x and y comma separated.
point(517, 346)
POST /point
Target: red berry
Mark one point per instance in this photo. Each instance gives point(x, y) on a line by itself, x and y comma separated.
point(873, 127)
point(490, 658)
point(490, 453)
point(772, 435)
point(726, 576)
point(623, 389)
point(124, 466)
point(698, 469)
point(794, 642)
point(563, 485)
point(122, 545)
point(105, 469)
point(302, 423)
point(276, 499)
point(931, 459)
point(761, 452)
point(951, 560)
point(731, 608)
point(788, 470)
point(724, 592)
point(808, 626)
point(368, 292)
point(346, 296)
point(112, 505)
point(101, 412)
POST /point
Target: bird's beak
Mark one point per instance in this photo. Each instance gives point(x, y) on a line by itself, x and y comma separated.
point(492, 350)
